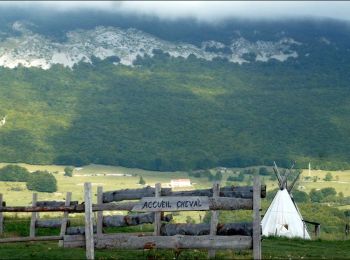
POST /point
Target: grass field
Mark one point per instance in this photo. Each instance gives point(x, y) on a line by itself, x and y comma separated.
point(341, 181)
point(272, 248)
point(16, 194)
point(75, 184)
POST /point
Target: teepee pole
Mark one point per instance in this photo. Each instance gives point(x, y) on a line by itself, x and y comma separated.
point(293, 183)
point(278, 175)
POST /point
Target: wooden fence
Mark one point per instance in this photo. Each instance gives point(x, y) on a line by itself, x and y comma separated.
point(148, 205)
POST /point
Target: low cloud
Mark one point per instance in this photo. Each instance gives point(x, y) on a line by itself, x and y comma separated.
point(204, 10)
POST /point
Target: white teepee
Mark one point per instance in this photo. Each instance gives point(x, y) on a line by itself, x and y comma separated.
point(283, 217)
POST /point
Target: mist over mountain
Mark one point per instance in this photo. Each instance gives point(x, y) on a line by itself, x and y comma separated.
point(87, 86)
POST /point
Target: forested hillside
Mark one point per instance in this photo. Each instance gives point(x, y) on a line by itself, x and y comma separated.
point(172, 113)
point(168, 113)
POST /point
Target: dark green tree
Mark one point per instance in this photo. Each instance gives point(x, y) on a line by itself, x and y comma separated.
point(68, 171)
point(316, 195)
point(329, 191)
point(263, 171)
point(142, 181)
point(328, 177)
point(300, 196)
point(14, 173)
point(42, 181)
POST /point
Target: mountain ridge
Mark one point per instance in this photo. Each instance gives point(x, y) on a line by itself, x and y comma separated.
point(35, 50)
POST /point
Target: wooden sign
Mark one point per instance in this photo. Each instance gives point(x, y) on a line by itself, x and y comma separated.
point(172, 203)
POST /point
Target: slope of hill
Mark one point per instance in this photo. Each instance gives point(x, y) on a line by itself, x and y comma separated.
point(144, 99)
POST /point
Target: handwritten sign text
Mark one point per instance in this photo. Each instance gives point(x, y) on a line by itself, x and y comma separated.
point(172, 204)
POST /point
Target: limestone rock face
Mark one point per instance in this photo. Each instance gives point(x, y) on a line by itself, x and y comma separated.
point(30, 49)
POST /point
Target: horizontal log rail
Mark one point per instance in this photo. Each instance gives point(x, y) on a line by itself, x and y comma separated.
point(128, 241)
point(49, 223)
point(54, 203)
point(221, 203)
point(133, 220)
point(244, 192)
point(227, 229)
point(29, 239)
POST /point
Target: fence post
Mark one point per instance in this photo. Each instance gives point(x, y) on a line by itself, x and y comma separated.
point(318, 229)
point(1, 217)
point(157, 215)
point(65, 218)
point(256, 221)
point(34, 216)
point(99, 213)
point(89, 232)
point(214, 218)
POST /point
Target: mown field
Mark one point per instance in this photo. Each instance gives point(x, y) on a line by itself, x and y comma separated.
point(341, 181)
point(16, 193)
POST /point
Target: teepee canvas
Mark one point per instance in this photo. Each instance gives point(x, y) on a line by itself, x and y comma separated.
point(283, 217)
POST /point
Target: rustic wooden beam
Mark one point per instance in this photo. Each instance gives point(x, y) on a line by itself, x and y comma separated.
point(79, 240)
point(245, 192)
point(157, 215)
point(54, 203)
point(48, 223)
point(1, 216)
point(228, 229)
point(65, 221)
point(78, 230)
point(256, 219)
point(127, 241)
point(99, 224)
point(132, 220)
point(234, 229)
point(214, 218)
point(28, 239)
point(73, 209)
point(89, 233)
point(221, 203)
point(34, 216)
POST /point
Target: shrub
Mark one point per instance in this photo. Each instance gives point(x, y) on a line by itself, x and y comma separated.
point(13, 173)
point(142, 181)
point(263, 171)
point(42, 181)
point(300, 196)
point(316, 195)
point(238, 178)
point(329, 191)
point(68, 171)
point(217, 176)
point(328, 177)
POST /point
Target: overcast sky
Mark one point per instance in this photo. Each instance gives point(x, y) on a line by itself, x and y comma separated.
point(207, 10)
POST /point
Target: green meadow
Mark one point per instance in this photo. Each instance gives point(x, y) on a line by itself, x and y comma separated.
point(333, 243)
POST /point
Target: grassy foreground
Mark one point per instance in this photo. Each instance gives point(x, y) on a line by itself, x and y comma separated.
point(271, 248)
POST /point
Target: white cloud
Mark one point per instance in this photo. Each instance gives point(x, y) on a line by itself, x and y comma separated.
point(206, 10)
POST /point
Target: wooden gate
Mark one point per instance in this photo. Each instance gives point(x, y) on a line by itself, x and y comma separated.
point(153, 202)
